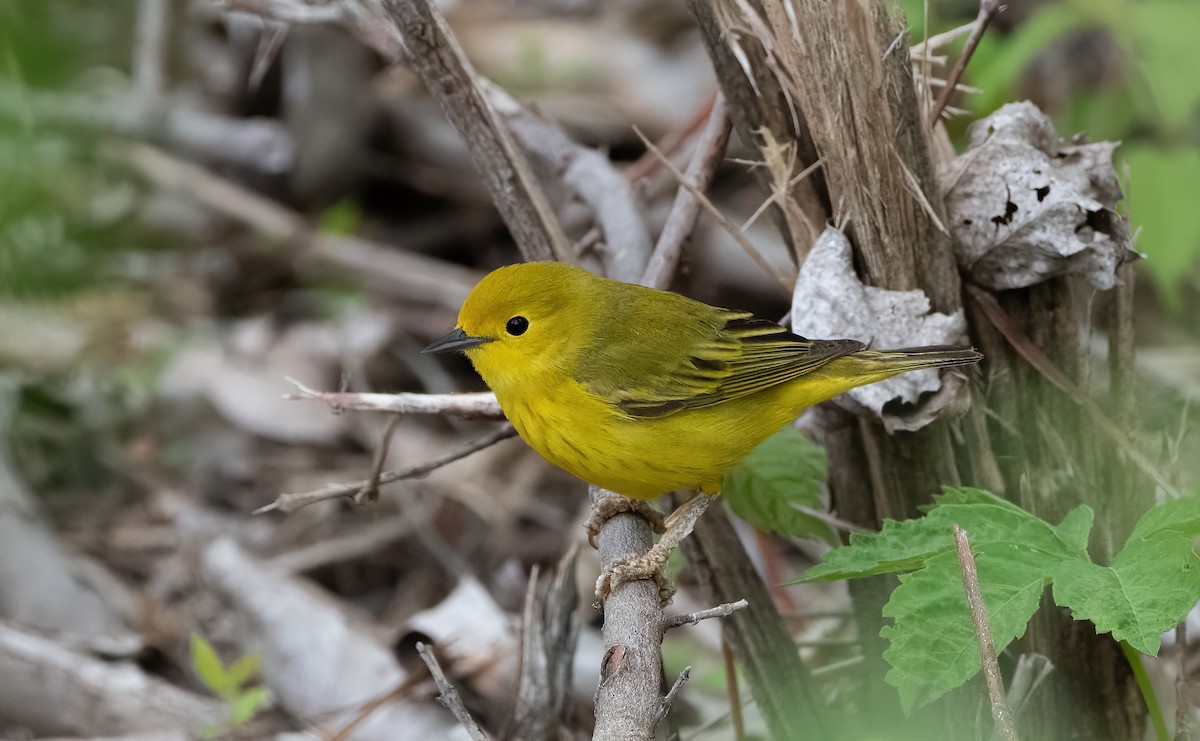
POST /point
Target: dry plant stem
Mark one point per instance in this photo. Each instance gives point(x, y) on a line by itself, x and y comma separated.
point(987, 11)
point(290, 502)
point(691, 618)
point(679, 525)
point(782, 688)
point(591, 176)
point(370, 492)
point(682, 218)
point(449, 695)
point(1002, 714)
point(435, 56)
point(465, 406)
point(627, 699)
point(548, 636)
point(1033, 355)
point(735, 696)
point(379, 267)
point(723, 220)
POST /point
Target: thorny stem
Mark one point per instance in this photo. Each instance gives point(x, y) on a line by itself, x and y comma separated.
point(988, 9)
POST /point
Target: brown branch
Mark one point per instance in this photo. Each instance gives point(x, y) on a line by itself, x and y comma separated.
point(691, 618)
point(435, 56)
point(449, 695)
point(988, 9)
point(290, 502)
point(668, 699)
point(1002, 714)
point(681, 220)
point(735, 695)
point(481, 405)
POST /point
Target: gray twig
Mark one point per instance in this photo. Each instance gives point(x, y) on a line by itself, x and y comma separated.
point(682, 218)
point(691, 618)
point(290, 502)
point(1002, 714)
point(465, 406)
point(150, 49)
point(988, 9)
point(435, 56)
point(449, 695)
point(664, 706)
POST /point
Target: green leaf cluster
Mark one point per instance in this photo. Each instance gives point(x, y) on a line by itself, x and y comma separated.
point(784, 472)
point(1148, 588)
point(229, 682)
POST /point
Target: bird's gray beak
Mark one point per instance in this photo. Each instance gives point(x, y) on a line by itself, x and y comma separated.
point(457, 340)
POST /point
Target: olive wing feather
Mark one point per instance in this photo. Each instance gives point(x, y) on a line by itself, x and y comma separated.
point(696, 356)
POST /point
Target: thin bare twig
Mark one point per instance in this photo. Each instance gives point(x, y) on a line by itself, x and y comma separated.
point(665, 705)
point(290, 502)
point(1002, 714)
point(150, 49)
point(449, 695)
point(988, 9)
point(723, 220)
point(691, 618)
point(733, 691)
point(481, 405)
point(370, 492)
point(682, 218)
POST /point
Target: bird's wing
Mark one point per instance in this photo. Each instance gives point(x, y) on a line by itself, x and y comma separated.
point(725, 355)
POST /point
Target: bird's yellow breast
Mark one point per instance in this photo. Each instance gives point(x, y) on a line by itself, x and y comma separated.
point(644, 457)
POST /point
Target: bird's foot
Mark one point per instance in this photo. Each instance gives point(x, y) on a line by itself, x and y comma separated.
point(649, 565)
point(608, 504)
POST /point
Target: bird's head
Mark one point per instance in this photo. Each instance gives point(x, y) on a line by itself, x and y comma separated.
point(518, 321)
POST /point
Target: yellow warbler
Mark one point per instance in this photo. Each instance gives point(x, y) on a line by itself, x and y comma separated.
point(642, 391)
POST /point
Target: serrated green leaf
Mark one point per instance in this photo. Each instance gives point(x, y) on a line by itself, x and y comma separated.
point(907, 545)
point(785, 470)
point(247, 704)
point(1151, 585)
point(208, 666)
point(932, 642)
point(242, 671)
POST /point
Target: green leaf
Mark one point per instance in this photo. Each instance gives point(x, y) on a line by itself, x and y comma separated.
point(907, 545)
point(1162, 188)
point(242, 671)
point(932, 643)
point(1151, 585)
point(208, 666)
point(785, 470)
point(1161, 36)
point(247, 704)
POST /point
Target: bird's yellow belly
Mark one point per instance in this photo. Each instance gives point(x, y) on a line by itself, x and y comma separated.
point(644, 457)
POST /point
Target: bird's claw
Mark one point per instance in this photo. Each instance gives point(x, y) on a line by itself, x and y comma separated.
point(609, 505)
point(649, 565)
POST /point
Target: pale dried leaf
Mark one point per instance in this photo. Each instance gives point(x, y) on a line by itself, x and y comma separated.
point(831, 302)
point(1026, 206)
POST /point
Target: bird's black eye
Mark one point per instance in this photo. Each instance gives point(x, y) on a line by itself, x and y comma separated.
point(517, 326)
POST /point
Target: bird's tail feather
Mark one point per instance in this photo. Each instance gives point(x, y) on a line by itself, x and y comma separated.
point(879, 364)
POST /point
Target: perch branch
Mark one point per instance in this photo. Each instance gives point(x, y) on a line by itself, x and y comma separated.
point(1002, 714)
point(449, 695)
point(290, 502)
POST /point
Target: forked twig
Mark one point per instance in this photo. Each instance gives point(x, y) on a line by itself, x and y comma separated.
point(988, 9)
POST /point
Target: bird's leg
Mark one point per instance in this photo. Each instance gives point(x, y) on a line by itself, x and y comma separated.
point(649, 565)
point(608, 504)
